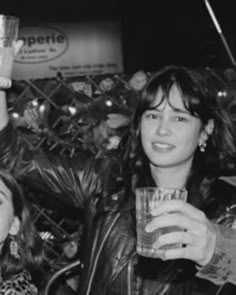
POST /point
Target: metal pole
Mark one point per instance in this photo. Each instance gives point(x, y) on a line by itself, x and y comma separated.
point(219, 30)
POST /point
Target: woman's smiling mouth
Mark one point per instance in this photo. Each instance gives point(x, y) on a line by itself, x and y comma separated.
point(162, 147)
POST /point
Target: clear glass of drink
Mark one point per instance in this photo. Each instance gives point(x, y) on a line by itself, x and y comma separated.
point(9, 26)
point(147, 199)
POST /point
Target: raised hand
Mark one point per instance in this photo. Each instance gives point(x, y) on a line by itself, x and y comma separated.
point(198, 236)
point(6, 83)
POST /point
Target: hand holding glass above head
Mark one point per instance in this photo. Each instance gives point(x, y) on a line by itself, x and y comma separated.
point(5, 82)
point(9, 47)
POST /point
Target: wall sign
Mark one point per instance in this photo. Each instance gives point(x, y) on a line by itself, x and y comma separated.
point(72, 49)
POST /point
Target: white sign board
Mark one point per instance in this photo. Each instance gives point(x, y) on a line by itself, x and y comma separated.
point(72, 49)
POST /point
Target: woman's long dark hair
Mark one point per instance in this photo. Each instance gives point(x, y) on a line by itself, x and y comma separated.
point(29, 243)
point(200, 99)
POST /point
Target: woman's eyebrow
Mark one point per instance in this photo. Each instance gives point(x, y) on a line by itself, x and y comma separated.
point(182, 111)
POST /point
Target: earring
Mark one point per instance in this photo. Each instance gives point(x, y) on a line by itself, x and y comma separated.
point(202, 146)
point(14, 247)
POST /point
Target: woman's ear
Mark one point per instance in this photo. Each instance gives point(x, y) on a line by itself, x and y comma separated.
point(15, 227)
point(206, 132)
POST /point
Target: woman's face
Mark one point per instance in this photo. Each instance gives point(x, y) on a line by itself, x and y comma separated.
point(8, 223)
point(170, 136)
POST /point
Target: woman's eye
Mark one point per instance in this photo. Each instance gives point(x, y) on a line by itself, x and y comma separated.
point(181, 119)
point(152, 115)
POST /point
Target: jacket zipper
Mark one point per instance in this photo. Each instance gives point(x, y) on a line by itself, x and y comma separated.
point(98, 254)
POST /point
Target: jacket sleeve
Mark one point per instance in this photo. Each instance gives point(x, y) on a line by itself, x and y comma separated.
point(222, 267)
point(74, 180)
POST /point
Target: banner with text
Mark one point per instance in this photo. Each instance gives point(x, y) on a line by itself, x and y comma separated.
point(71, 49)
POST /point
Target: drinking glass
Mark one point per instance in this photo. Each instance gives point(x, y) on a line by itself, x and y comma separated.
point(147, 200)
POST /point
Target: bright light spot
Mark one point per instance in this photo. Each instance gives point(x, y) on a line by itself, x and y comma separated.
point(109, 103)
point(15, 115)
point(35, 103)
point(72, 110)
point(222, 93)
point(42, 108)
point(46, 236)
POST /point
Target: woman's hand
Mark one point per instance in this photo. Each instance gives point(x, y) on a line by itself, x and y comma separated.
point(198, 235)
point(5, 83)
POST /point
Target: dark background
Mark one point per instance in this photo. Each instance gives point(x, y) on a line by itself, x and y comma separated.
point(154, 33)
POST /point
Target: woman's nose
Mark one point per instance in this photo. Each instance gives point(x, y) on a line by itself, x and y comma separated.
point(163, 127)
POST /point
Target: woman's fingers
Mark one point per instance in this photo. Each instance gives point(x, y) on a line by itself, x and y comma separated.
point(176, 219)
point(178, 237)
point(178, 206)
point(190, 252)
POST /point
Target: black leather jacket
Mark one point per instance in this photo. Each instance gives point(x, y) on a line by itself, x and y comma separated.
point(111, 266)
